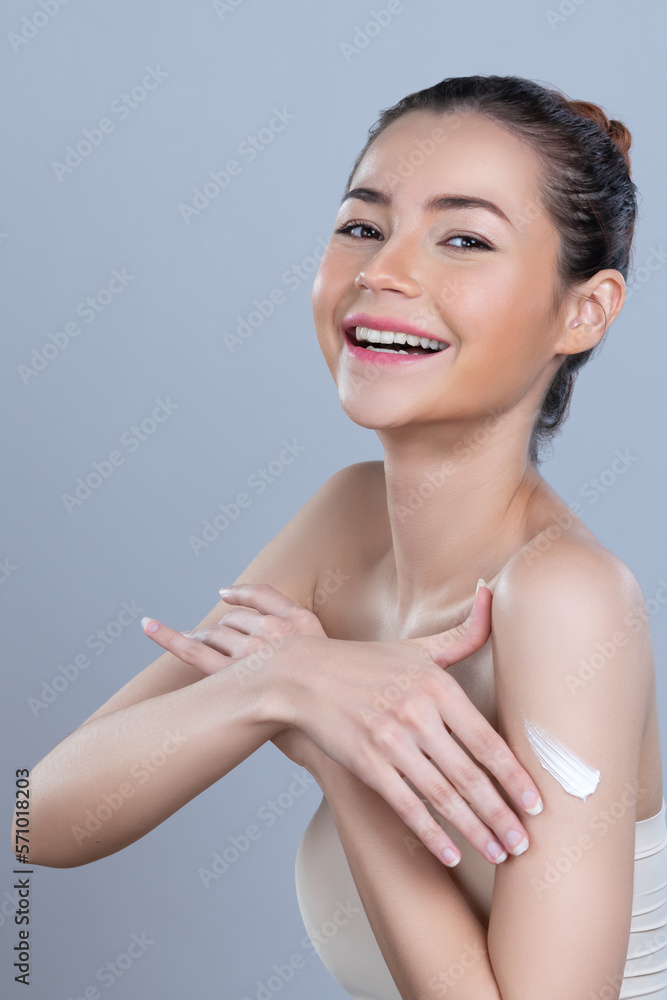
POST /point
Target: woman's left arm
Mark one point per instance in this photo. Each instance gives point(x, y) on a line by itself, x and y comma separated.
point(572, 655)
point(433, 943)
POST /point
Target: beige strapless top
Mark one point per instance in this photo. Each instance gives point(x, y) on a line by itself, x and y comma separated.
point(337, 924)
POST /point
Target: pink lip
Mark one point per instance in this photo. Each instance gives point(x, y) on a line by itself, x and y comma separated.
point(383, 323)
point(386, 323)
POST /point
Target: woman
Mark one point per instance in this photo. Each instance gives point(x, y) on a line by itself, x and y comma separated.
point(492, 219)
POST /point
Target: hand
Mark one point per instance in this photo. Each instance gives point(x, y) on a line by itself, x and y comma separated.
point(241, 631)
point(245, 629)
point(406, 721)
point(385, 711)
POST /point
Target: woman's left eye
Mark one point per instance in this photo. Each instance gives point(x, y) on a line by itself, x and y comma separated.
point(480, 244)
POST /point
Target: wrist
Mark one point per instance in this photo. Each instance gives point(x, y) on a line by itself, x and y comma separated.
point(331, 776)
point(279, 673)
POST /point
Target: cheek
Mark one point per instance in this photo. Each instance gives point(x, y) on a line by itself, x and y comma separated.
point(327, 295)
point(322, 312)
point(501, 316)
point(326, 288)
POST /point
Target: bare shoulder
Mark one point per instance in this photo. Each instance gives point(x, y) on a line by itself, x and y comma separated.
point(573, 683)
point(344, 500)
point(292, 559)
point(571, 620)
point(332, 525)
point(353, 497)
point(353, 483)
point(572, 570)
point(291, 562)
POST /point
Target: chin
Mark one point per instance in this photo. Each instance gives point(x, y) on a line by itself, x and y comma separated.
point(379, 414)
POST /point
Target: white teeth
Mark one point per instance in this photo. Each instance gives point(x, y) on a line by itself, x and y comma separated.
point(385, 350)
point(389, 337)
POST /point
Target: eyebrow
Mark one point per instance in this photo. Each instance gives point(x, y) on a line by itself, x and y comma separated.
point(437, 203)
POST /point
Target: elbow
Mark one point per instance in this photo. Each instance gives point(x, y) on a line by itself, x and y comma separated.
point(32, 848)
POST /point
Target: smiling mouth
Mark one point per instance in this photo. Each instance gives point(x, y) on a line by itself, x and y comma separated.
point(389, 342)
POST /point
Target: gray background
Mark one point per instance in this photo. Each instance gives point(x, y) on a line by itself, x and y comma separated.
point(162, 337)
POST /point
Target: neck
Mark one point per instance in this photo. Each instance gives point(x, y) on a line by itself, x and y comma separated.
point(458, 500)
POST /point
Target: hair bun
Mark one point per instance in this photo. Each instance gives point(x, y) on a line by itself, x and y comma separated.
point(616, 130)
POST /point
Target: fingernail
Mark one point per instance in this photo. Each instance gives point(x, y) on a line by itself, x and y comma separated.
point(517, 842)
point(185, 633)
point(450, 856)
point(480, 583)
point(225, 590)
point(149, 625)
point(496, 851)
point(532, 803)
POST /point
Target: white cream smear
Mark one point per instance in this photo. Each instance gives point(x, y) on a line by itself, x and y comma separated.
point(576, 777)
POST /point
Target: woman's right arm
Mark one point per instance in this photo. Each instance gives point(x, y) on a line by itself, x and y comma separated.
point(117, 777)
point(170, 732)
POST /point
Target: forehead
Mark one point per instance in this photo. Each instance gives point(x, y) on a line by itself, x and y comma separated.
point(427, 152)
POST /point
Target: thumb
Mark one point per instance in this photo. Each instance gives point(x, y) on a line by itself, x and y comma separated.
point(456, 643)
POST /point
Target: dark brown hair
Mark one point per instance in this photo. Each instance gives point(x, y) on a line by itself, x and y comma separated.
point(586, 189)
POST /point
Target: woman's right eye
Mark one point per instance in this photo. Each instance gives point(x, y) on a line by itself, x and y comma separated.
point(347, 229)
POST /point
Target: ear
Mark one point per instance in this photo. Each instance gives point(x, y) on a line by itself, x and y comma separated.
point(591, 309)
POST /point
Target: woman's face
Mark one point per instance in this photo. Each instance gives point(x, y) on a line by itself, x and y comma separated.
point(480, 280)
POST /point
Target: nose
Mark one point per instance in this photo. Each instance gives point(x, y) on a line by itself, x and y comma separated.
point(391, 269)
